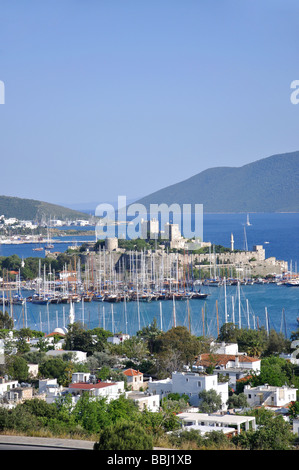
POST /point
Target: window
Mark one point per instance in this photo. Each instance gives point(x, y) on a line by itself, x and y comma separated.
point(199, 383)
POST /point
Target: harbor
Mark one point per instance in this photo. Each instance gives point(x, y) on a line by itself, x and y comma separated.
point(124, 289)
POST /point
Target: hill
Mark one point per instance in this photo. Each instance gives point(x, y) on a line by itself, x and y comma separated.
point(30, 209)
point(267, 185)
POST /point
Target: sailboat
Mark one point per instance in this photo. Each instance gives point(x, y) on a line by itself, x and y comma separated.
point(49, 245)
point(248, 221)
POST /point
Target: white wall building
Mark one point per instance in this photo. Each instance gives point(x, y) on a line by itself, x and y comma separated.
point(229, 424)
point(78, 356)
point(233, 366)
point(6, 385)
point(296, 426)
point(109, 390)
point(145, 401)
point(49, 389)
point(267, 395)
point(191, 384)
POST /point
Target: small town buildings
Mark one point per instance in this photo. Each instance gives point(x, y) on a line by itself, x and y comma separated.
point(191, 384)
point(118, 338)
point(227, 423)
point(81, 377)
point(78, 356)
point(145, 401)
point(134, 378)
point(18, 394)
point(267, 395)
point(233, 366)
point(49, 390)
point(6, 385)
point(109, 390)
point(33, 370)
point(296, 426)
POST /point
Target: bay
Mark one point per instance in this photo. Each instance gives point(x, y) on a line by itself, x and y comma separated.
point(280, 230)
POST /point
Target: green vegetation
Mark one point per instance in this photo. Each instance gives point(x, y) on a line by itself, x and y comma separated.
point(120, 424)
point(30, 209)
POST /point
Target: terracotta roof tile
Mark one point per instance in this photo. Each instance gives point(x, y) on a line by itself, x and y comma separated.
point(222, 359)
point(86, 386)
point(132, 372)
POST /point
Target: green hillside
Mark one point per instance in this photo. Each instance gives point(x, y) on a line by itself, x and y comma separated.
point(267, 185)
point(30, 209)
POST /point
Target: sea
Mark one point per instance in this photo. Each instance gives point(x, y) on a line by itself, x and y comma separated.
point(270, 305)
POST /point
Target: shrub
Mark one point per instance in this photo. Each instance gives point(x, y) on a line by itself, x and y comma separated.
point(124, 436)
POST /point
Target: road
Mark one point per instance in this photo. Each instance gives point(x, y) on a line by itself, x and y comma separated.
point(42, 443)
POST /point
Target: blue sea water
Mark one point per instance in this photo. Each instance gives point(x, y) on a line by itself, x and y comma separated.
point(279, 230)
point(206, 316)
point(282, 303)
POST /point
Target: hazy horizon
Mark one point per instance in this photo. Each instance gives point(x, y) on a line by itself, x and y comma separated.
point(109, 98)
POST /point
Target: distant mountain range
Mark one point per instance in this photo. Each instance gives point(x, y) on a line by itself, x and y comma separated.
point(267, 185)
point(30, 209)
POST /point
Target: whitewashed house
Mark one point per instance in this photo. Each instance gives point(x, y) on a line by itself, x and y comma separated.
point(78, 356)
point(296, 426)
point(145, 401)
point(227, 423)
point(6, 385)
point(109, 390)
point(191, 384)
point(49, 390)
point(232, 366)
point(267, 395)
point(118, 338)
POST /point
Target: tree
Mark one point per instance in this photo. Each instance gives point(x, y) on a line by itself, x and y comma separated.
point(210, 401)
point(135, 348)
point(275, 435)
point(78, 339)
point(237, 401)
point(179, 340)
point(54, 368)
point(124, 436)
point(17, 368)
point(6, 322)
point(150, 333)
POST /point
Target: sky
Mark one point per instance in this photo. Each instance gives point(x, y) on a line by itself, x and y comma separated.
point(124, 97)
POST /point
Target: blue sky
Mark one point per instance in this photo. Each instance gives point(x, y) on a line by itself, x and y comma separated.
point(115, 97)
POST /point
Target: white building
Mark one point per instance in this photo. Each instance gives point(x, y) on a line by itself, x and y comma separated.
point(191, 384)
point(78, 356)
point(267, 395)
point(109, 390)
point(227, 423)
point(49, 389)
point(296, 426)
point(233, 366)
point(80, 377)
point(118, 338)
point(6, 385)
point(145, 401)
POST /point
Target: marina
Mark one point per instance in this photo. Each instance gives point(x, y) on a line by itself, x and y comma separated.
point(250, 305)
point(123, 293)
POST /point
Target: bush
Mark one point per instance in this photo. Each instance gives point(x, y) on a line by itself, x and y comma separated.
point(124, 436)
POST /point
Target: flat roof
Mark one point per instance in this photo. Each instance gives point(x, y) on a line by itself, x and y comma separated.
point(227, 418)
point(206, 428)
